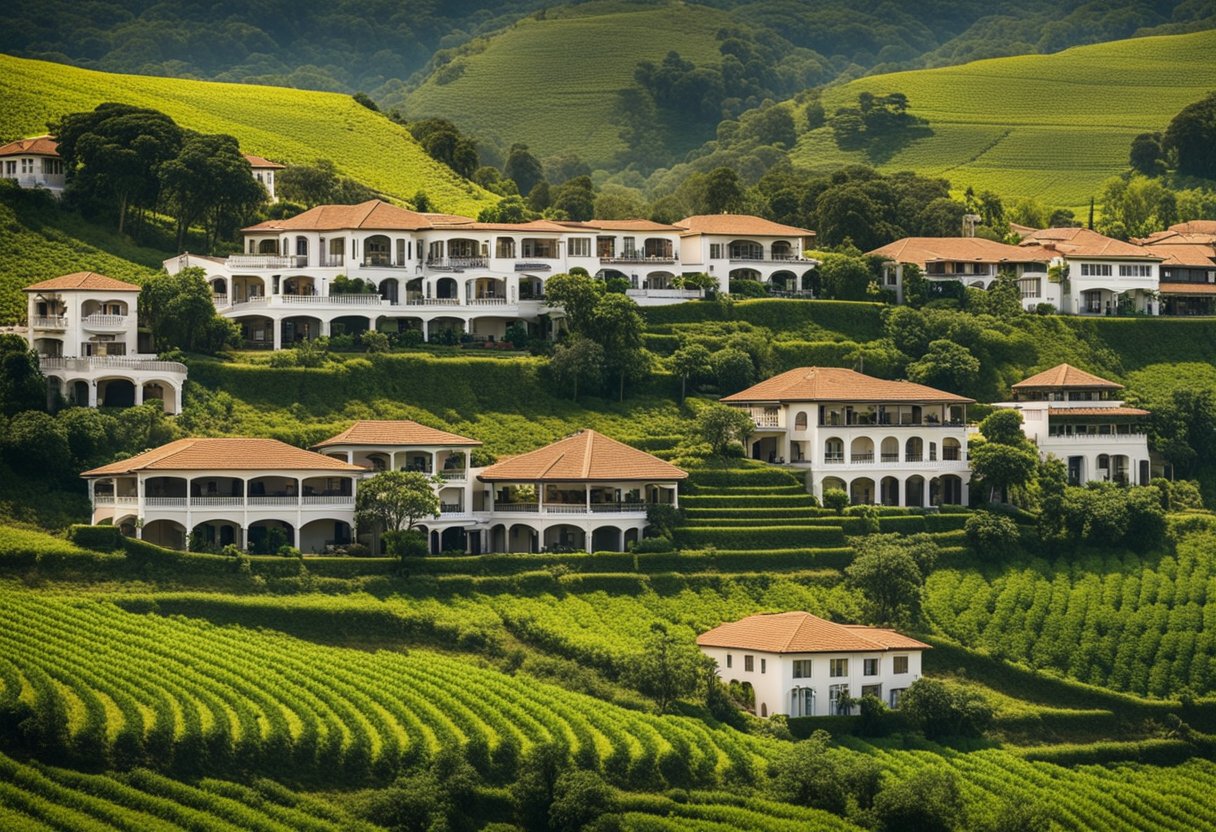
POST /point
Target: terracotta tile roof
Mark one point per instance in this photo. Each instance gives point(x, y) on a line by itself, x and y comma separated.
point(922, 250)
point(836, 384)
point(1195, 227)
point(223, 454)
point(801, 632)
point(585, 456)
point(82, 281)
point(38, 146)
point(1021, 230)
point(1194, 255)
point(375, 215)
point(447, 219)
point(1096, 411)
point(624, 225)
point(1081, 242)
point(394, 432)
point(1187, 288)
point(1066, 375)
point(741, 224)
point(259, 162)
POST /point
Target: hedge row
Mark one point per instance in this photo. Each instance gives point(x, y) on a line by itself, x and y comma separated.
point(860, 321)
point(746, 477)
point(759, 501)
point(97, 538)
point(1160, 752)
point(768, 537)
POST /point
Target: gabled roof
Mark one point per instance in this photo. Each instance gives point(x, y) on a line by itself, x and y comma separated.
point(375, 214)
point(801, 632)
point(583, 457)
point(394, 432)
point(38, 146)
point(1081, 242)
point(259, 162)
point(82, 281)
point(742, 224)
point(836, 384)
point(1193, 255)
point(922, 250)
point(1066, 375)
point(223, 454)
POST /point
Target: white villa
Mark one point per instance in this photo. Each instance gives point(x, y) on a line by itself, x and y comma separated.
point(1073, 415)
point(972, 261)
point(85, 329)
point(33, 163)
point(585, 492)
point(891, 443)
point(229, 491)
point(738, 247)
point(436, 272)
point(797, 664)
point(264, 171)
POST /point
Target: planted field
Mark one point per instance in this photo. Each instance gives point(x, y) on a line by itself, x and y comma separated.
point(286, 125)
point(1052, 127)
point(552, 83)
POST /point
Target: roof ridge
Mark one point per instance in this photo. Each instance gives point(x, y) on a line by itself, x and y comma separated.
point(588, 452)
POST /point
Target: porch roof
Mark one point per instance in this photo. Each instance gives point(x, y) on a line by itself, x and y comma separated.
point(586, 456)
point(390, 432)
point(1090, 412)
point(225, 454)
point(373, 215)
point(801, 632)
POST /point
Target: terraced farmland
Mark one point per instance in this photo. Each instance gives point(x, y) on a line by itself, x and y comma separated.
point(552, 84)
point(1053, 127)
point(286, 125)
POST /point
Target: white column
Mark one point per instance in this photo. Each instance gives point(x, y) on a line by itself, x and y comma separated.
point(139, 392)
point(902, 487)
point(92, 393)
point(325, 323)
point(278, 333)
point(434, 462)
point(425, 335)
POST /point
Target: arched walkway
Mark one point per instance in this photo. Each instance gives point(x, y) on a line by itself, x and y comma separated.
point(167, 533)
point(861, 491)
point(266, 537)
point(606, 539)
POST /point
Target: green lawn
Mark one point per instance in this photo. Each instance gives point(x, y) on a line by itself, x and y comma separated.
point(286, 125)
point(1053, 127)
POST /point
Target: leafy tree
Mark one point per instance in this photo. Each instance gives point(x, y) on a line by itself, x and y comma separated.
point(723, 192)
point(722, 426)
point(36, 444)
point(365, 100)
point(580, 798)
point(114, 153)
point(836, 499)
point(908, 329)
point(928, 801)
point(90, 435)
point(915, 285)
point(1004, 426)
point(577, 360)
point(887, 573)
point(844, 277)
point(508, 209)
point(617, 326)
point(733, 370)
point(991, 533)
point(577, 296)
point(617, 202)
point(1002, 467)
point(813, 773)
point(179, 311)
point(443, 142)
point(524, 168)
point(1053, 485)
point(943, 217)
point(210, 181)
point(22, 386)
point(575, 197)
point(535, 787)
point(1191, 136)
point(319, 183)
point(396, 500)
point(563, 167)
point(848, 212)
point(939, 710)
point(946, 365)
point(1004, 299)
point(666, 669)
point(1147, 156)
point(690, 363)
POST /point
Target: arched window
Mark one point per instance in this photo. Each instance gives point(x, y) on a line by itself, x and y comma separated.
point(833, 450)
point(800, 421)
point(763, 709)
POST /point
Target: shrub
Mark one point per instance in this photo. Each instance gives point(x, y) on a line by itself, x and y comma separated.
point(988, 532)
point(836, 499)
point(97, 538)
point(653, 545)
point(939, 710)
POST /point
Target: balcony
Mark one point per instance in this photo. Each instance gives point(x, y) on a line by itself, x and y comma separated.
point(568, 508)
point(454, 475)
point(533, 265)
point(791, 258)
point(267, 261)
point(111, 500)
point(486, 301)
point(430, 302)
point(457, 264)
point(104, 322)
point(219, 301)
point(683, 294)
point(49, 322)
point(639, 259)
point(110, 361)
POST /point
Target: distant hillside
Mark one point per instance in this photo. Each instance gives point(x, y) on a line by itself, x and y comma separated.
point(553, 83)
point(286, 125)
point(1051, 127)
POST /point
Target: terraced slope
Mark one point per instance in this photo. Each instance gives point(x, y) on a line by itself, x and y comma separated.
point(1053, 127)
point(553, 83)
point(286, 125)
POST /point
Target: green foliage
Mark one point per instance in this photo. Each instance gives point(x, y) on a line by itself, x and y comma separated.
point(1104, 514)
point(814, 773)
point(928, 801)
point(991, 534)
point(576, 361)
point(1191, 136)
point(939, 710)
point(397, 500)
point(22, 386)
point(97, 538)
point(722, 426)
point(667, 669)
point(319, 183)
point(836, 499)
point(179, 311)
point(888, 570)
point(210, 182)
point(946, 366)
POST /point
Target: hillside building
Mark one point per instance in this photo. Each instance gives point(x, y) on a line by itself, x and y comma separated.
point(33, 163)
point(1076, 417)
point(265, 171)
point(891, 443)
point(798, 664)
point(1098, 275)
point(85, 329)
point(734, 247)
point(969, 261)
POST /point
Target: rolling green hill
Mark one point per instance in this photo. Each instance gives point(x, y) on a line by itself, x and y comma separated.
point(1051, 127)
point(553, 83)
point(286, 125)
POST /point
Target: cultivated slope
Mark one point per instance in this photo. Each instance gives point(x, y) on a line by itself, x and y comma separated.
point(282, 124)
point(553, 83)
point(1046, 126)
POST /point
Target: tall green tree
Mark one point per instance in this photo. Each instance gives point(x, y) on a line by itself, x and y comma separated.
point(523, 167)
point(179, 311)
point(946, 365)
point(617, 326)
point(723, 192)
point(722, 426)
point(209, 181)
point(666, 669)
point(689, 363)
point(887, 570)
point(1191, 136)
point(22, 386)
point(1005, 460)
point(577, 361)
point(575, 198)
point(577, 295)
point(395, 501)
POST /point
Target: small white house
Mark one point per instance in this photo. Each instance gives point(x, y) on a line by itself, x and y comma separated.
point(265, 171)
point(33, 163)
point(798, 664)
point(744, 247)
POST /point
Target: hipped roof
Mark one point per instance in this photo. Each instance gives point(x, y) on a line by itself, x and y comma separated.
point(801, 632)
point(922, 250)
point(224, 454)
point(1066, 375)
point(394, 432)
point(742, 224)
point(1081, 242)
point(82, 281)
point(584, 457)
point(37, 146)
point(836, 384)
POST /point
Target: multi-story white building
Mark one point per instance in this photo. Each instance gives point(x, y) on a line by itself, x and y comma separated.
point(883, 442)
point(1074, 416)
point(229, 491)
point(971, 261)
point(85, 328)
point(33, 163)
point(265, 171)
point(428, 272)
point(797, 664)
point(743, 247)
point(1097, 274)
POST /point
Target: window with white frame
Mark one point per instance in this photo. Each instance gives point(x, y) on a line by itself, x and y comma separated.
point(1135, 270)
point(715, 251)
point(869, 667)
point(580, 247)
point(901, 664)
point(802, 668)
point(10, 167)
point(838, 697)
point(27, 165)
point(1095, 270)
point(1030, 287)
point(838, 667)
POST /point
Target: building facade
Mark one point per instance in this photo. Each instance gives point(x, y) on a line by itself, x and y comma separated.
point(883, 442)
point(33, 163)
point(969, 261)
point(1098, 275)
point(246, 492)
point(265, 171)
point(799, 665)
point(1075, 416)
point(85, 329)
point(741, 247)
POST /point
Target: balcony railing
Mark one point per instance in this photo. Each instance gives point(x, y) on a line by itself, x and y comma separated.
point(451, 508)
point(110, 361)
point(457, 264)
point(360, 299)
point(517, 507)
point(331, 261)
point(833, 459)
point(533, 265)
point(663, 293)
point(210, 502)
point(454, 475)
point(165, 502)
point(329, 500)
point(861, 459)
point(487, 302)
point(791, 258)
point(111, 500)
point(765, 421)
point(267, 261)
point(50, 322)
point(274, 501)
point(890, 457)
point(430, 302)
point(220, 301)
point(104, 321)
point(639, 258)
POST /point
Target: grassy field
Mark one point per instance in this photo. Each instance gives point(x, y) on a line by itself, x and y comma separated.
point(1052, 127)
point(552, 83)
point(286, 125)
